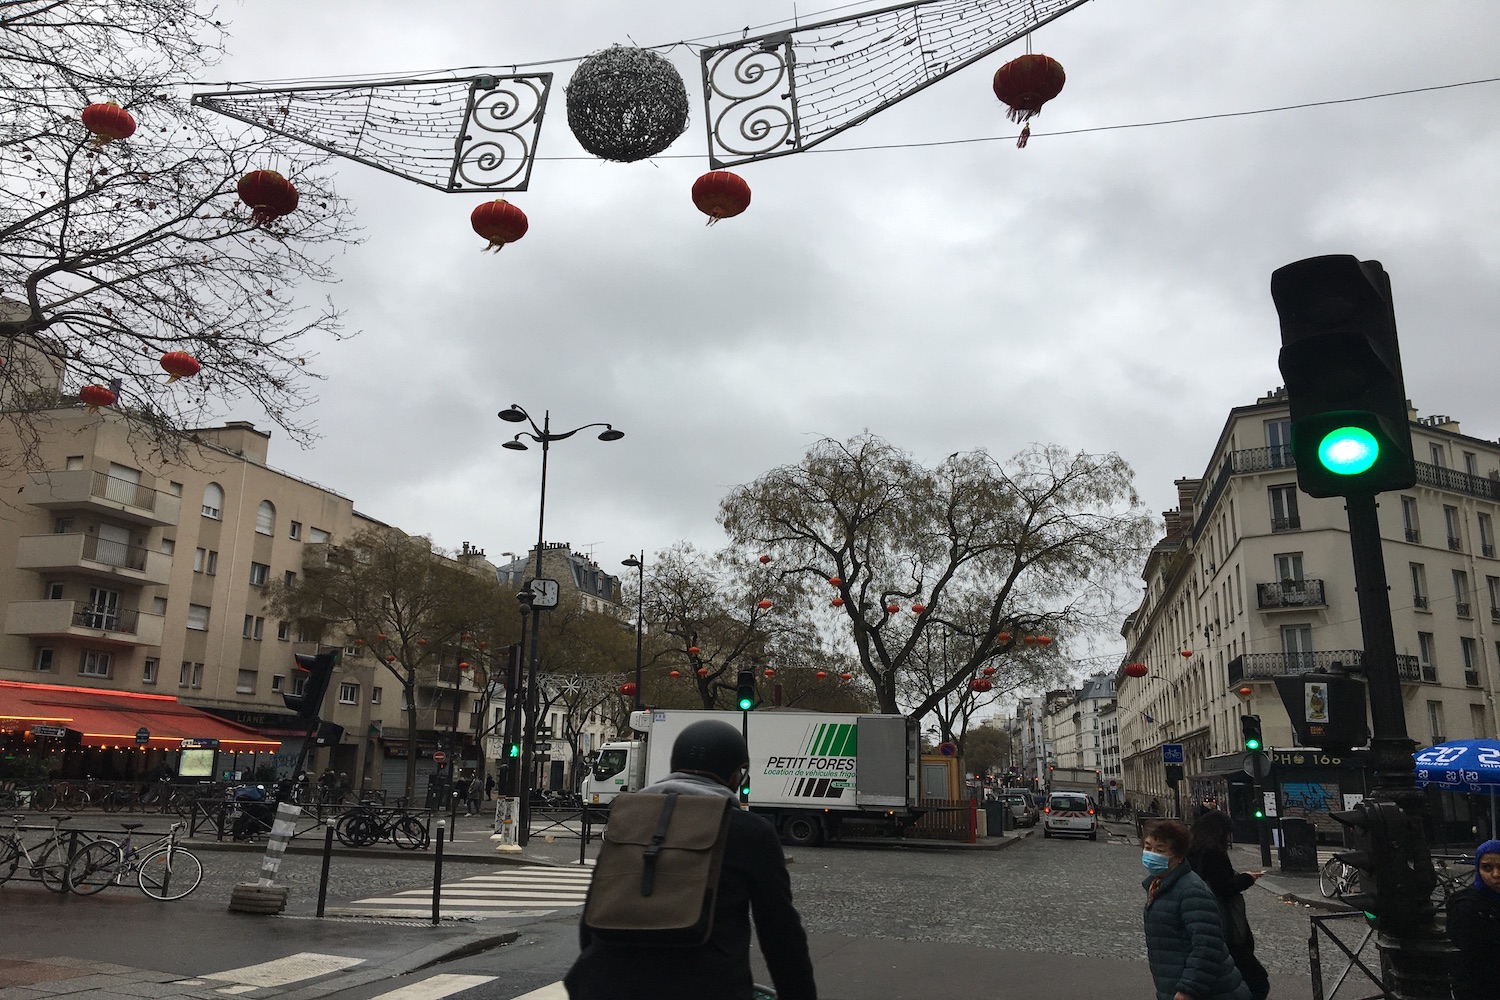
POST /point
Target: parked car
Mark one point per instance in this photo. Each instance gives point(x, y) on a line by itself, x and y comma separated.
point(1071, 813)
point(1023, 807)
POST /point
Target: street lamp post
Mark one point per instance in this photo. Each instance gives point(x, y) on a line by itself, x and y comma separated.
point(543, 436)
point(639, 565)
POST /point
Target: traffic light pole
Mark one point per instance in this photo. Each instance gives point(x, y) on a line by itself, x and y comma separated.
point(1414, 959)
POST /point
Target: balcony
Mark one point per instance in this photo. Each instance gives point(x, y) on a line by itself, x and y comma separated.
point(1293, 523)
point(1414, 536)
point(79, 553)
point(1494, 614)
point(1462, 610)
point(1471, 678)
point(1455, 543)
point(79, 620)
point(1457, 482)
point(1419, 602)
point(1487, 549)
point(1289, 595)
point(84, 489)
point(1267, 666)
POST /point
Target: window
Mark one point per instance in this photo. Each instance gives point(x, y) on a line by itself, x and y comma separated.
point(55, 590)
point(296, 530)
point(259, 574)
point(213, 501)
point(1279, 443)
point(1289, 567)
point(1492, 583)
point(1419, 586)
point(253, 627)
point(92, 663)
point(1439, 455)
point(245, 684)
point(1471, 660)
point(1435, 721)
point(1476, 722)
point(284, 631)
point(299, 684)
point(306, 633)
point(1486, 536)
point(317, 535)
point(1450, 518)
point(73, 462)
point(265, 518)
point(352, 651)
point(62, 526)
point(1471, 463)
point(197, 618)
point(1409, 519)
point(277, 680)
point(1425, 650)
point(1461, 592)
point(1284, 509)
point(289, 578)
point(149, 670)
point(375, 696)
point(175, 489)
point(205, 561)
point(168, 545)
point(158, 605)
point(348, 694)
point(191, 675)
point(43, 661)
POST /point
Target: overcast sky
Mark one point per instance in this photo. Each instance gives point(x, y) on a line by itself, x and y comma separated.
point(1105, 290)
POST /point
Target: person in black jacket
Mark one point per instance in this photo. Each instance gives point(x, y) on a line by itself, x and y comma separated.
point(710, 758)
point(1474, 927)
point(1209, 857)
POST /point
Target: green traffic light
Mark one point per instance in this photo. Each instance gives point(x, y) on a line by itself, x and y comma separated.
point(514, 750)
point(1252, 743)
point(1260, 814)
point(1348, 451)
point(746, 704)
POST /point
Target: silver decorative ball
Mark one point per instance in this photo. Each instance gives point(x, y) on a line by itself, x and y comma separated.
point(626, 104)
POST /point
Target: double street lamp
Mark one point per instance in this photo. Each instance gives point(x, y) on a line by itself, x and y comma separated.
point(544, 436)
point(639, 565)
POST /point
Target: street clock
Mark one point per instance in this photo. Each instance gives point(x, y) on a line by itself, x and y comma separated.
point(543, 593)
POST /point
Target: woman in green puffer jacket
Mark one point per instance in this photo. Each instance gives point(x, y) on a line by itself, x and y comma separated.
point(1184, 933)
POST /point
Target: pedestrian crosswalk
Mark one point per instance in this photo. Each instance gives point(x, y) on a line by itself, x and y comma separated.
point(511, 892)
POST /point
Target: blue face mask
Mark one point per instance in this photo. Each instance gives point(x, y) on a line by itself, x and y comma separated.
point(1155, 863)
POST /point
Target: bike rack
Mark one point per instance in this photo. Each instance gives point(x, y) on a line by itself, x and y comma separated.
point(1318, 925)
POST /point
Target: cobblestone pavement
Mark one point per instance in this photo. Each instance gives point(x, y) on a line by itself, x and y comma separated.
point(1064, 897)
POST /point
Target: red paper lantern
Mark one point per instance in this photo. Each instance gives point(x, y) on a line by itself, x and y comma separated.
point(380, 635)
point(674, 674)
point(390, 657)
point(269, 195)
point(483, 644)
point(108, 122)
point(822, 674)
point(702, 671)
point(836, 581)
point(1186, 654)
point(421, 642)
point(464, 665)
point(847, 676)
point(989, 671)
point(179, 364)
point(764, 560)
point(466, 637)
point(359, 642)
point(720, 194)
point(1003, 637)
point(1135, 670)
point(764, 605)
point(96, 396)
point(1043, 640)
point(500, 222)
point(892, 608)
point(1025, 84)
point(917, 609)
point(693, 650)
point(769, 672)
point(627, 689)
point(1027, 640)
point(980, 684)
point(837, 602)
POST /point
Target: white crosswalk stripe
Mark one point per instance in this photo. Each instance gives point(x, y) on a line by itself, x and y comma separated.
point(552, 991)
point(436, 987)
point(512, 892)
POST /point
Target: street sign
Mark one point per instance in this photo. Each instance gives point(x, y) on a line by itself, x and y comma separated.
point(190, 743)
point(438, 756)
point(40, 729)
point(143, 735)
point(1257, 765)
point(1171, 753)
point(543, 747)
point(948, 749)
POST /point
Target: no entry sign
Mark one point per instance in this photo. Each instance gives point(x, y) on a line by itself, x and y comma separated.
point(438, 756)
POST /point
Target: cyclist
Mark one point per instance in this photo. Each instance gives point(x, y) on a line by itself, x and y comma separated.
point(710, 758)
point(255, 812)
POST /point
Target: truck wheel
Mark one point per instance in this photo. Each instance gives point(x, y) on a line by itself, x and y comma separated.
point(802, 830)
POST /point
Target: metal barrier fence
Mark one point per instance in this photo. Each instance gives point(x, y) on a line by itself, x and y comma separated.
point(73, 839)
point(1324, 925)
point(216, 816)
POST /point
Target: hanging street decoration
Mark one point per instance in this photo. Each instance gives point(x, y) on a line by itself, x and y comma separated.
point(95, 396)
point(981, 684)
point(500, 222)
point(720, 194)
point(108, 122)
point(179, 364)
point(625, 104)
point(786, 91)
point(452, 133)
point(1135, 670)
point(1025, 84)
point(269, 195)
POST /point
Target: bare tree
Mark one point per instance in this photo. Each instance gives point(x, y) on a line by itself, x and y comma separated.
point(113, 254)
point(1040, 545)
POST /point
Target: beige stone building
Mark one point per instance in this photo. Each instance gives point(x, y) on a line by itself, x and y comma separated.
point(1254, 580)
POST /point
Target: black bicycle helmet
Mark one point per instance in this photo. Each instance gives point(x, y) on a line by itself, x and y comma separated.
point(710, 747)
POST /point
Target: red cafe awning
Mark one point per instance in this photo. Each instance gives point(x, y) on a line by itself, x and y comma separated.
point(111, 718)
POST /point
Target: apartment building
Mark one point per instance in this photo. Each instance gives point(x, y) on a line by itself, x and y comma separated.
point(1254, 580)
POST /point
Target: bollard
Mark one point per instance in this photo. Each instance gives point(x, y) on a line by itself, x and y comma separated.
point(437, 873)
point(323, 878)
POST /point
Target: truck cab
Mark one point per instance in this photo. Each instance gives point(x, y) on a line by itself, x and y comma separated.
point(610, 771)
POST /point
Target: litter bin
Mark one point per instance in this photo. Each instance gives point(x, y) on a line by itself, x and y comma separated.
point(998, 818)
point(1299, 845)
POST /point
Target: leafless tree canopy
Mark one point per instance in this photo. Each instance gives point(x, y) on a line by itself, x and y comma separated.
point(992, 551)
point(112, 256)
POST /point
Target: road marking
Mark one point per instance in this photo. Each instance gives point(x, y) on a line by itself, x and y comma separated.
point(292, 969)
point(552, 991)
point(442, 985)
point(514, 892)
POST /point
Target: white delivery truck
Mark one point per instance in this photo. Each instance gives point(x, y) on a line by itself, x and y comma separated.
point(814, 774)
point(1074, 779)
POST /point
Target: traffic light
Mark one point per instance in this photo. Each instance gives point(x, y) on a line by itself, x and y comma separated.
point(1250, 730)
point(1396, 877)
point(1342, 366)
point(317, 670)
point(512, 750)
point(744, 691)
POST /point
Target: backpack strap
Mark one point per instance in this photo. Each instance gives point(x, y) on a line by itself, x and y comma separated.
point(648, 873)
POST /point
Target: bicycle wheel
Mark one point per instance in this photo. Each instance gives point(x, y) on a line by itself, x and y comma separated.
point(409, 833)
point(170, 873)
point(347, 829)
point(94, 867)
point(44, 799)
point(10, 858)
point(1328, 878)
point(73, 797)
point(52, 867)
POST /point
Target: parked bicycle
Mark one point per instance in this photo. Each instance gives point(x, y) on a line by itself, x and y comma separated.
point(161, 868)
point(1336, 879)
point(364, 825)
point(46, 861)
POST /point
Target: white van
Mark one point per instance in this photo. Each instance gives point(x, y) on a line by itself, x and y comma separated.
point(1072, 813)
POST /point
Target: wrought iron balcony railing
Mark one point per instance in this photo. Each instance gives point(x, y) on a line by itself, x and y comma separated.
point(1455, 543)
point(1289, 594)
point(1462, 610)
point(1471, 678)
point(108, 619)
point(1293, 523)
point(1413, 535)
point(1266, 666)
point(1419, 601)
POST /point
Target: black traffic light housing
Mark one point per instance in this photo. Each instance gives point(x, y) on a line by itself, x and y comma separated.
point(1341, 363)
point(1250, 734)
point(317, 670)
point(744, 691)
point(1396, 875)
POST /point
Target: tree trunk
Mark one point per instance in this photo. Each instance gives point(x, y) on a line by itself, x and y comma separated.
point(410, 694)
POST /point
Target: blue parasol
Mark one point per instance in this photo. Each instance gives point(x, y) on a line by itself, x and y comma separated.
point(1462, 766)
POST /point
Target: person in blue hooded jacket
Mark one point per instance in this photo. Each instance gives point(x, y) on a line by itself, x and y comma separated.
point(1184, 932)
point(1474, 928)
